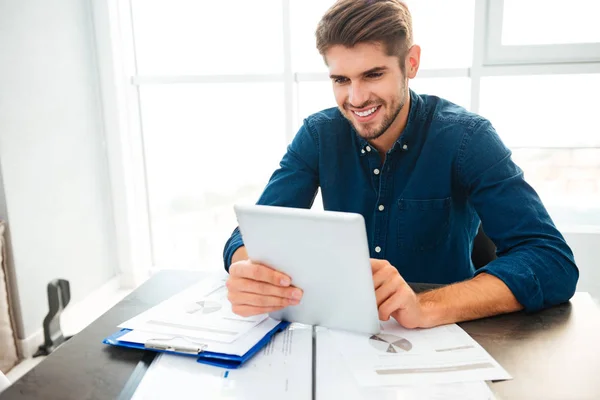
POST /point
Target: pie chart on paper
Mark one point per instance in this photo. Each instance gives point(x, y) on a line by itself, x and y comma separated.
point(204, 307)
point(387, 343)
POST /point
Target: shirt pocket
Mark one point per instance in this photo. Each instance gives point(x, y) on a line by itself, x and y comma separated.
point(423, 224)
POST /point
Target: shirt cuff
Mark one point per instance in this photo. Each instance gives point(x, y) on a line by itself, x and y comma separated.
point(234, 243)
point(520, 279)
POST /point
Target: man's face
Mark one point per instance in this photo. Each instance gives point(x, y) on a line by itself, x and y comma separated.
point(369, 87)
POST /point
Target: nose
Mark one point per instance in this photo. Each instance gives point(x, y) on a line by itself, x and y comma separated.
point(357, 94)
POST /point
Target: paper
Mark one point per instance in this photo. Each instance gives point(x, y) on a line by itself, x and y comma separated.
point(282, 370)
point(201, 312)
point(335, 380)
point(399, 356)
point(239, 347)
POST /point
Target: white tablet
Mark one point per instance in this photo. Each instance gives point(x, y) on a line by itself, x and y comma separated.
point(325, 253)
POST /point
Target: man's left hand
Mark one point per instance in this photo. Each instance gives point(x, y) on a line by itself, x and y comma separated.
point(394, 297)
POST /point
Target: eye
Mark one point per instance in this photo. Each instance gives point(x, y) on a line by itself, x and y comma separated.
point(374, 75)
point(340, 80)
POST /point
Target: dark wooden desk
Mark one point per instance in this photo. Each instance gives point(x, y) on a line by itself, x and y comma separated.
point(554, 354)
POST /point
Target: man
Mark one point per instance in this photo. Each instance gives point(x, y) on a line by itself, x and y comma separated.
point(424, 173)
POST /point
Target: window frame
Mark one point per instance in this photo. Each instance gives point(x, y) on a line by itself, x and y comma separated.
point(120, 91)
point(498, 54)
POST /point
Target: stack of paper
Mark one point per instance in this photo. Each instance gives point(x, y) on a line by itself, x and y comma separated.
point(286, 369)
point(438, 363)
point(199, 322)
point(249, 360)
point(281, 370)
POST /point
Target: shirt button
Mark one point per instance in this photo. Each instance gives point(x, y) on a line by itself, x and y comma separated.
point(362, 151)
point(405, 147)
point(376, 171)
point(381, 208)
point(368, 148)
point(377, 249)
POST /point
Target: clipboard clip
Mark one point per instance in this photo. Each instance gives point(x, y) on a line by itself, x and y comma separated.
point(166, 344)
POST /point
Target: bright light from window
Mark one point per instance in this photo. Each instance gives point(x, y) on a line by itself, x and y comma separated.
point(207, 147)
point(532, 22)
point(543, 110)
point(191, 37)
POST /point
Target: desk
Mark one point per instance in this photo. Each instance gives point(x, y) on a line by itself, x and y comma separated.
point(553, 354)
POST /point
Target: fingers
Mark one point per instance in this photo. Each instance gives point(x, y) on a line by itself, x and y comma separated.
point(386, 290)
point(401, 299)
point(257, 289)
point(259, 300)
point(377, 264)
point(383, 271)
point(248, 311)
point(250, 286)
point(257, 272)
point(383, 275)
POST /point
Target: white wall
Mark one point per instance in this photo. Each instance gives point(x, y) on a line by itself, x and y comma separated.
point(52, 153)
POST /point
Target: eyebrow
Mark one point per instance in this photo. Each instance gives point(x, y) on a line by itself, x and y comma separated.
point(370, 71)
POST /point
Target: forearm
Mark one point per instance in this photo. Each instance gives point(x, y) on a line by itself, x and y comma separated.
point(483, 296)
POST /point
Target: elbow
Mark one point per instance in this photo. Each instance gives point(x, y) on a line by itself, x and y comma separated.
point(572, 272)
point(565, 282)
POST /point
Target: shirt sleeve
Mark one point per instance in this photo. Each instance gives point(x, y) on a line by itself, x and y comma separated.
point(293, 184)
point(534, 260)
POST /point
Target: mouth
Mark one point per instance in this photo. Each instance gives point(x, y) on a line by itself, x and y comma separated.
point(366, 115)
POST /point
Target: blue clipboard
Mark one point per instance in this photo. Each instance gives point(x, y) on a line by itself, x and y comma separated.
point(229, 361)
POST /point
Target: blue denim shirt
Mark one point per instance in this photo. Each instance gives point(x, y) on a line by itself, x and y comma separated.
point(422, 206)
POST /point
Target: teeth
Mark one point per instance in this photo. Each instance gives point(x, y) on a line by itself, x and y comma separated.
point(365, 113)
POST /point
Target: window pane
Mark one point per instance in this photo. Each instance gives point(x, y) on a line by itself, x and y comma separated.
point(190, 37)
point(544, 110)
point(456, 90)
point(534, 22)
point(204, 153)
point(430, 17)
point(444, 30)
point(568, 181)
point(305, 15)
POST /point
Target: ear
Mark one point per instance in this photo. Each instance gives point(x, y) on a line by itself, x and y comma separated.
point(413, 58)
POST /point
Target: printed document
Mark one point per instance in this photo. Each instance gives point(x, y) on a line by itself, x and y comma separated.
point(399, 356)
point(282, 370)
point(201, 312)
point(336, 380)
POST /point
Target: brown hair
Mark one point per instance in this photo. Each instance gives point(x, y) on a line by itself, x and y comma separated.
point(349, 22)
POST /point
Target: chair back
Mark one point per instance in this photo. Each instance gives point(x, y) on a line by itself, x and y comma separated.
point(484, 250)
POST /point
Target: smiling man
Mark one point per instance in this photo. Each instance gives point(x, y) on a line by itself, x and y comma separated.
point(424, 173)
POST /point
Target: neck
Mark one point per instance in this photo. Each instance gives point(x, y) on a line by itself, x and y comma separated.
point(386, 141)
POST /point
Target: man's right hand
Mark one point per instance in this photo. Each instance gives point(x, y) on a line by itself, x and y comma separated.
point(257, 289)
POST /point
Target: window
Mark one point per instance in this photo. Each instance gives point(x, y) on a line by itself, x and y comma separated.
point(568, 182)
point(542, 31)
point(219, 95)
point(534, 22)
point(190, 37)
point(543, 110)
point(444, 30)
point(194, 174)
point(304, 17)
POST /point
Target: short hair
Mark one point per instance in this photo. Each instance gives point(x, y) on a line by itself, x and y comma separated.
point(349, 22)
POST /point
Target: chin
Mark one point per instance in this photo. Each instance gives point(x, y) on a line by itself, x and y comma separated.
point(369, 134)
